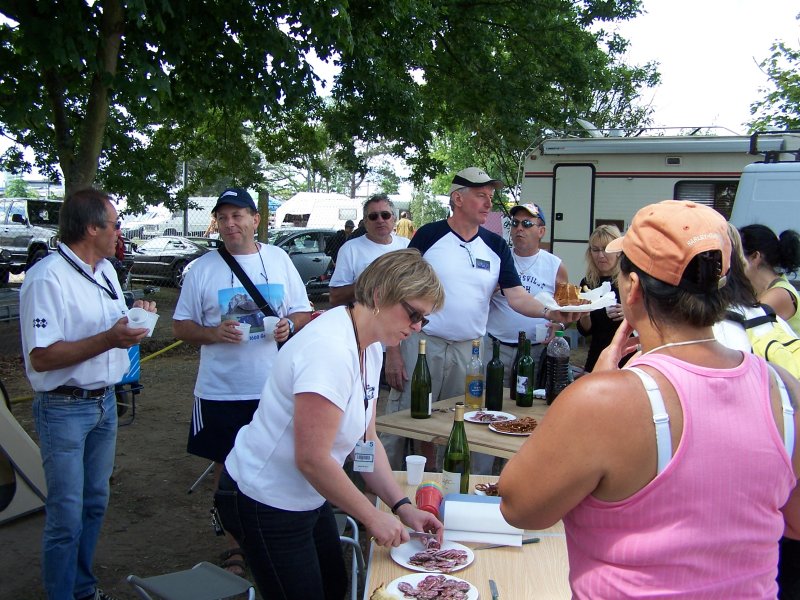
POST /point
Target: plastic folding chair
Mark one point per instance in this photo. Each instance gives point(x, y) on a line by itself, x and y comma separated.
point(204, 581)
point(348, 534)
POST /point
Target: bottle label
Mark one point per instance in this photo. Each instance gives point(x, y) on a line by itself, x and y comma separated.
point(451, 482)
point(522, 384)
point(430, 402)
point(476, 388)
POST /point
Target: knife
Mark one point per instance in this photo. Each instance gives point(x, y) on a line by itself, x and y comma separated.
point(422, 536)
point(493, 589)
point(533, 540)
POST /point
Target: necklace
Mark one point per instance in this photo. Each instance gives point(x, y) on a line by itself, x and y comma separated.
point(522, 272)
point(684, 343)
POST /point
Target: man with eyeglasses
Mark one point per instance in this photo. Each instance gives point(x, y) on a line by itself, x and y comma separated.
point(539, 271)
point(213, 304)
point(356, 254)
point(471, 262)
point(75, 337)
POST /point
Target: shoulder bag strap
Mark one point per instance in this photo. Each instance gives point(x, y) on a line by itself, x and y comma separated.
point(263, 305)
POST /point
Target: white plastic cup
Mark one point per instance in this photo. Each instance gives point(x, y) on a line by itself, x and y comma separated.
point(245, 329)
point(541, 333)
point(269, 326)
point(139, 318)
point(415, 468)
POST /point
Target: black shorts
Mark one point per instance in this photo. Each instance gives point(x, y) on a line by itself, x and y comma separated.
point(215, 424)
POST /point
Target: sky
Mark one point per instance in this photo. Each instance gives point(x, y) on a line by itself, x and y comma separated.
point(709, 52)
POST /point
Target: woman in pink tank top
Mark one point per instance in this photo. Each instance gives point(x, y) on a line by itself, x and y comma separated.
point(688, 507)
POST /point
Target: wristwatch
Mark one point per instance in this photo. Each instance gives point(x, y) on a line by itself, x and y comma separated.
point(291, 326)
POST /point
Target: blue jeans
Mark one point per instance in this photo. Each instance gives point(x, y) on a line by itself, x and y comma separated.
point(293, 555)
point(77, 438)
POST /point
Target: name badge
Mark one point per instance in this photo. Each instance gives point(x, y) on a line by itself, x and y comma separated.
point(481, 264)
point(364, 456)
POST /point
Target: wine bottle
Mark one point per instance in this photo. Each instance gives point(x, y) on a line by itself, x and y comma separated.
point(525, 377)
point(421, 386)
point(494, 379)
point(455, 474)
point(473, 386)
point(512, 383)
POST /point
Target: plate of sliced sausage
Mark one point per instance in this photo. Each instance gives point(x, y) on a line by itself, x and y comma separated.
point(425, 585)
point(450, 557)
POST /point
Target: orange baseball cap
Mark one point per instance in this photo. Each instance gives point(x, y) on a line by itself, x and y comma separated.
point(664, 237)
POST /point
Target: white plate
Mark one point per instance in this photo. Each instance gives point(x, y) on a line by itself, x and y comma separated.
point(415, 578)
point(507, 432)
point(402, 553)
point(470, 416)
point(600, 297)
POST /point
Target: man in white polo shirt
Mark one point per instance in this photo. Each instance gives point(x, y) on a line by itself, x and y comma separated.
point(539, 271)
point(471, 263)
point(74, 339)
point(356, 254)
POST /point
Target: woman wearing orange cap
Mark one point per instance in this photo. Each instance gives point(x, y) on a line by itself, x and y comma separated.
point(689, 507)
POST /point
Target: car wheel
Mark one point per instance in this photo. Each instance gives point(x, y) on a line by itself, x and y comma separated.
point(177, 273)
point(37, 256)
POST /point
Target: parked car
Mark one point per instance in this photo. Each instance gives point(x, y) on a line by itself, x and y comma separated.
point(164, 258)
point(306, 249)
point(28, 228)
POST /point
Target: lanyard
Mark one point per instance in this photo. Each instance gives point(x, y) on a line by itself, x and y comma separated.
point(109, 290)
point(362, 367)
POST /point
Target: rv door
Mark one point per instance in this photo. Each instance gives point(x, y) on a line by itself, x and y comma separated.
point(571, 215)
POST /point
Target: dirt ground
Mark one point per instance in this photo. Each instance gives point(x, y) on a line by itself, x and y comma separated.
point(153, 525)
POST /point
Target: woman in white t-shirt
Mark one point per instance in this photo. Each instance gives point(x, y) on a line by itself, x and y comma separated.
point(318, 405)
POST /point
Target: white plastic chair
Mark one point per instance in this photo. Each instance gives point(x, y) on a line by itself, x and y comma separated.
point(204, 581)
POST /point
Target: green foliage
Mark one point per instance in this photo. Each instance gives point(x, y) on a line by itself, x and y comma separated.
point(18, 188)
point(780, 106)
point(425, 208)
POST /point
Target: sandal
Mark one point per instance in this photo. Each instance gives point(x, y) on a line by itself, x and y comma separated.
point(233, 565)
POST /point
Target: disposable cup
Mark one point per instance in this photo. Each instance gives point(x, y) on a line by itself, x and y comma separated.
point(245, 329)
point(415, 467)
point(139, 318)
point(269, 326)
point(541, 333)
point(429, 498)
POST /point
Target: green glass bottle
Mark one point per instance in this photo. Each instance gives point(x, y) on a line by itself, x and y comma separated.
point(525, 377)
point(512, 383)
point(421, 386)
point(455, 474)
point(494, 379)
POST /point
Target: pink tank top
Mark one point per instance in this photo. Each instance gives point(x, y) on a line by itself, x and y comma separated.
point(708, 526)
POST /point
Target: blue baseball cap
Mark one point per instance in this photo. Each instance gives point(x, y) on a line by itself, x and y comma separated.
point(534, 209)
point(236, 197)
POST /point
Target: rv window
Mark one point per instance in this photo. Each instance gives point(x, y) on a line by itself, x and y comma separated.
point(718, 195)
point(348, 213)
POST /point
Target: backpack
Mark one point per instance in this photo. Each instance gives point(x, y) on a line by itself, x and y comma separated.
point(776, 345)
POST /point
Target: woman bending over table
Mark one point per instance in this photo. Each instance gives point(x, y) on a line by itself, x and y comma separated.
point(285, 470)
point(689, 507)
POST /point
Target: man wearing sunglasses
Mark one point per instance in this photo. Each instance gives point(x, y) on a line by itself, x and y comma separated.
point(539, 271)
point(356, 254)
point(471, 262)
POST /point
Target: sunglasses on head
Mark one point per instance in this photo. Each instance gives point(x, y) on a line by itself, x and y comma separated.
point(526, 223)
point(414, 314)
point(384, 214)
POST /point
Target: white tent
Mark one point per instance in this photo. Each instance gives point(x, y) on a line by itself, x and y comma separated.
point(311, 209)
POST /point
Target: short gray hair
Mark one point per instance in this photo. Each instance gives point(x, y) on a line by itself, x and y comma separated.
point(377, 198)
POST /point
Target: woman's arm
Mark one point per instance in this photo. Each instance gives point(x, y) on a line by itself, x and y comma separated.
point(317, 421)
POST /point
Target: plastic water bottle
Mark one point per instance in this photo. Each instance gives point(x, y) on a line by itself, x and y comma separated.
point(556, 367)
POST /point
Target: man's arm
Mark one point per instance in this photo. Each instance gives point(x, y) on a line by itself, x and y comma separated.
point(342, 295)
point(522, 302)
point(396, 375)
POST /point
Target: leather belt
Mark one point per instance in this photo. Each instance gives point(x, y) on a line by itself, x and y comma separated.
point(502, 343)
point(79, 392)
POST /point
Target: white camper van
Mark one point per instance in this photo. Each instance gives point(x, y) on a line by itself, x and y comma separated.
point(581, 183)
point(312, 209)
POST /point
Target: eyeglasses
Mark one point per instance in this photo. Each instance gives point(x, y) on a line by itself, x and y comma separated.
point(117, 224)
point(414, 314)
point(595, 250)
point(526, 223)
point(469, 253)
point(384, 214)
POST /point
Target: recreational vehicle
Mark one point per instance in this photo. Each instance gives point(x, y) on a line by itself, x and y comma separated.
point(311, 209)
point(581, 183)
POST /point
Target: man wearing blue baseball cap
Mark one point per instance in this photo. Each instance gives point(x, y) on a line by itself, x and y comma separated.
point(214, 309)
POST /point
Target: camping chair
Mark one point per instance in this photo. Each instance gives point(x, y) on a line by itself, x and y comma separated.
point(204, 581)
point(347, 524)
point(129, 387)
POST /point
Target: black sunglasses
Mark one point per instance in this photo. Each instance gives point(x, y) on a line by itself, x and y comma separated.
point(384, 214)
point(414, 314)
point(526, 223)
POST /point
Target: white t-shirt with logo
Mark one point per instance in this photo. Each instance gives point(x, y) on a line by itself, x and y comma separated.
point(356, 255)
point(323, 359)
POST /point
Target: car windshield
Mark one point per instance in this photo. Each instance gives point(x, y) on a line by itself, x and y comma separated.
point(42, 212)
point(276, 236)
